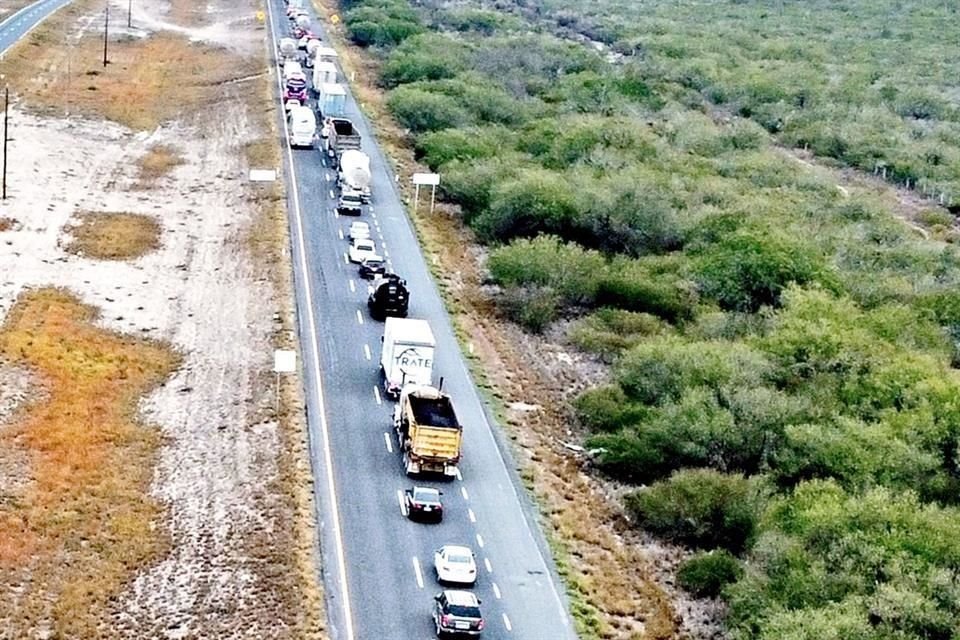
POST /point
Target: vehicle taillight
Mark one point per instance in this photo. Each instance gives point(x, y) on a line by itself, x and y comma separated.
point(445, 620)
point(479, 625)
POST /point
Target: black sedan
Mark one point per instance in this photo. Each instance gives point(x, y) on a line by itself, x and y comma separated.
point(372, 267)
point(423, 503)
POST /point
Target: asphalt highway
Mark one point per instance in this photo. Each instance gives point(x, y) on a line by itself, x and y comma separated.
point(378, 567)
point(18, 24)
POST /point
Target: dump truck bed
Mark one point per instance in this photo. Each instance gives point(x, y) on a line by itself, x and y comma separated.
point(434, 412)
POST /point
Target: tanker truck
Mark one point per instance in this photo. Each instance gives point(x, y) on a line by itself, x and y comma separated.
point(354, 175)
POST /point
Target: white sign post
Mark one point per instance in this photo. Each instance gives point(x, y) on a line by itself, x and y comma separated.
point(284, 361)
point(432, 179)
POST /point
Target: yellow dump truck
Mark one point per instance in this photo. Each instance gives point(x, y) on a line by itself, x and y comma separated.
point(428, 431)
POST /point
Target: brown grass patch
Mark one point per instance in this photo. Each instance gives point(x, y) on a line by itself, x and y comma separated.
point(85, 522)
point(159, 161)
point(611, 585)
point(7, 223)
point(113, 236)
point(147, 82)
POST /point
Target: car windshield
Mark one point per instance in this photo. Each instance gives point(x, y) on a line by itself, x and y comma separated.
point(458, 558)
point(462, 611)
point(364, 246)
point(373, 262)
point(355, 227)
point(426, 495)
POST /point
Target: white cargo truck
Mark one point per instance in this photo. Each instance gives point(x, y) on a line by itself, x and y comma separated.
point(324, 72)
point(407, 354)
point(302, 126)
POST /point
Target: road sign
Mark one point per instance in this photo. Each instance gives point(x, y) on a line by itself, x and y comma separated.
point(284, 361)
point(263, 175)
point(426, 178)
point(334, 18)
point(261, 16)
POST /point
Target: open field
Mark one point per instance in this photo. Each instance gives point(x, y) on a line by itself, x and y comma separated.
point(770, 327)
point(137, 394)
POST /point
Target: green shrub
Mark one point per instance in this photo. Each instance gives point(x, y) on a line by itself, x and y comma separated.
point(608, 409)
point(437, 148)
point(608, 332)
point(535, 201)
point(421, 111)
point(700, 507)
point(547, 261)
point(706, 574)
point(749, 269)
point(425, 56)
point(384, 24)
point(471, 183)
point(533, 308)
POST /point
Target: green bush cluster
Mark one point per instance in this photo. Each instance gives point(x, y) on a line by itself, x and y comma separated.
point(381, 23)
point(781, 350)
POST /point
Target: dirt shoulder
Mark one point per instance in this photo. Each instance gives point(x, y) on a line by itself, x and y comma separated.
point(196, 504)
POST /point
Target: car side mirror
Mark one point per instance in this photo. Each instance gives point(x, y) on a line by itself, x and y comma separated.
point(479, 601)
point(440, 493)
point(437, 597)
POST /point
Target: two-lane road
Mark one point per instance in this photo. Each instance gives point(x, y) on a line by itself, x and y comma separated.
point(18, 24)
point(378, 565)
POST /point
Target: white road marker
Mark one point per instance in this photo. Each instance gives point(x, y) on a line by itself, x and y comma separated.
point(386, 254)
point(403, 507)
point(416, 570)
point(486, 563)
point(340, 233)
point(332, 194)
point(463, 491)
point(359, 317)
point(353, 287)
point(314, 346)
point(346, 259)
point(376, 395)
point(471, 515)
point(366, 351)
point(386, 438)
point(459, 475)
point(506, 622)
point(496, 590)
point(480, 541)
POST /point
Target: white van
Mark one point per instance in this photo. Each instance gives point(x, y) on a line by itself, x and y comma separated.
point(291, 67)
point(302, 125)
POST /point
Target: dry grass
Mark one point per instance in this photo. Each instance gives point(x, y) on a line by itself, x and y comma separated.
point(7, 223)
point(147, 82)
point(158, 162)
point(85, 521)
point(611, 585)
point(113, 236)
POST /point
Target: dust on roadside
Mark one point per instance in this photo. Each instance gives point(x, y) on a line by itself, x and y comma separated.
point(231, 478)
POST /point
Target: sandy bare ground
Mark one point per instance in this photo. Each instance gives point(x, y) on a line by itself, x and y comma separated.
point(203, 292)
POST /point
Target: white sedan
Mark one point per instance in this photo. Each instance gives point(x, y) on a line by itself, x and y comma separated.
point(455, 564)
point(359, 231)
point(361, 249)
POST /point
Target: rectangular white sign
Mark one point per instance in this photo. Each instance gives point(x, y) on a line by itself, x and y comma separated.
point(284, 361)
point(426, 178)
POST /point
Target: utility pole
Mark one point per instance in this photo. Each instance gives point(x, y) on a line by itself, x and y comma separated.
point(129, 13)
point(106, 29)
point(6, 121)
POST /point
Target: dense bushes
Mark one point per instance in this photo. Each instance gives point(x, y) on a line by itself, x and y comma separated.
point(706, 574)
point(381, 23)
point(700, 507)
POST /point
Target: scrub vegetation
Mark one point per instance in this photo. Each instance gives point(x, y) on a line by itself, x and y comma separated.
point(782, 347)
point(114, 236)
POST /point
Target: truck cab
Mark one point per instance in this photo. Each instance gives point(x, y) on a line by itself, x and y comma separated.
point(350, 204)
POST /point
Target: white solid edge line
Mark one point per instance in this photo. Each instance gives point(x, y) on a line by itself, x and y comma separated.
point(416, 570)
point(315, 349)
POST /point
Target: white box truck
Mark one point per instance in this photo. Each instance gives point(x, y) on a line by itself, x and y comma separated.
point(331, 100)
point(324, 72)
point(407, 354)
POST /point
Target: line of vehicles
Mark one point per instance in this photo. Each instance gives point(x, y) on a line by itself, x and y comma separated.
point(428, 432)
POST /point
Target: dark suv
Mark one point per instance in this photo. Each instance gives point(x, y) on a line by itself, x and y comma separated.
point(457, 613)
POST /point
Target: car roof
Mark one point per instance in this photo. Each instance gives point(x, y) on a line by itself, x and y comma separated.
point(363, 242)
point(358, 223)
point(462, 598)
point(453, 548)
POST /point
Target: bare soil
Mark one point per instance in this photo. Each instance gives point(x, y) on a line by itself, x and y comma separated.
point(229, 547)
